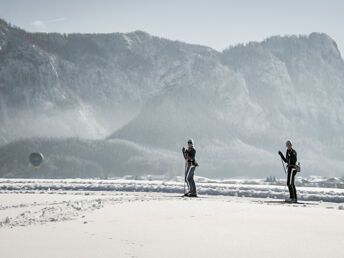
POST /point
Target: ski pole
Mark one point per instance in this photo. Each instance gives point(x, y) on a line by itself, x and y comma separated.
point(185, 176)
point(285, 171)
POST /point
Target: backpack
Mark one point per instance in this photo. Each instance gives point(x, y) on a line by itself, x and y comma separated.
point(297, 167)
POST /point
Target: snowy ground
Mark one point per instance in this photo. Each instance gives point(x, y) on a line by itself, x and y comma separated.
point(107, 218)
point(233, 187)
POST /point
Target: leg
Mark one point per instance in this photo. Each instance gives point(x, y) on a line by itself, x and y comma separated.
point(289, 178)
point(190, 179)
point(293, 184)
point(187, 171)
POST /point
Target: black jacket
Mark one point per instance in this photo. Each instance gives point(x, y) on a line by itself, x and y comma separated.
point(290, 157)
point(190, 154)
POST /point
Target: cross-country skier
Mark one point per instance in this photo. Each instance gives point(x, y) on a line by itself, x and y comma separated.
point(189, 155)
point(290, 158)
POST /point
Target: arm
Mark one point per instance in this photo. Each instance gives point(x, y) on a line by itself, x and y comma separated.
point(184, 153)
point(282, 157)
point(191, 154)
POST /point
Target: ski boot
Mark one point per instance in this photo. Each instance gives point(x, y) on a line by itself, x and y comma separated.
point(192, 195)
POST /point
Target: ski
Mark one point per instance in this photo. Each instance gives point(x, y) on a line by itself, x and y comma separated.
point(185, 196)
point(288, 202)
point(299, 203)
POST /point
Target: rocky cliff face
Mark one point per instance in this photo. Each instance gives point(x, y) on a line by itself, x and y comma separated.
point(244, 105)
point(240, 105)
point(80, 85)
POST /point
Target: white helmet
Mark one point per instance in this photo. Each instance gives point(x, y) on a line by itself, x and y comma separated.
point(191, 141)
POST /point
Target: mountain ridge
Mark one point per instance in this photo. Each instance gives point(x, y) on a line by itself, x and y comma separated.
point(238, 104)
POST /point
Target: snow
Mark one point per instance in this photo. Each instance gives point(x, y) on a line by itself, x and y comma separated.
point(68, 223)
point(241, 188)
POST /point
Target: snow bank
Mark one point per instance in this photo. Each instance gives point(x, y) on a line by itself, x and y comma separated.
point(237, 188)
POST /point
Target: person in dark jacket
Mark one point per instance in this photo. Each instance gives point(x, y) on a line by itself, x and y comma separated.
point(291, 159)
point(189, 155)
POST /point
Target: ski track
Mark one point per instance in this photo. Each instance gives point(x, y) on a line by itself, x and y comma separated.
point(40, 213)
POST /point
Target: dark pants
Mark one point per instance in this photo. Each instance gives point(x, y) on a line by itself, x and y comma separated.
point(291, 182)
point(189, 178)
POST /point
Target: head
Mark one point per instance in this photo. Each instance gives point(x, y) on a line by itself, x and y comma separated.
point(190, 142)
point(289, 145)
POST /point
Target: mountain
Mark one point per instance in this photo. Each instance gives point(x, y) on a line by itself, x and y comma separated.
point(83, 85)
point(240, 105)
point(81, 158)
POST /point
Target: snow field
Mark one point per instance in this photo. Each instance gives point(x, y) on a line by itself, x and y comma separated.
point(142, 218)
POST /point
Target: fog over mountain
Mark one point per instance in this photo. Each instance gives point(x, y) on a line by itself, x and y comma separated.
point(102, 105)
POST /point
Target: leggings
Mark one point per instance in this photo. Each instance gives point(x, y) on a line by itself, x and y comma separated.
point(291, 182)
point(189, 178)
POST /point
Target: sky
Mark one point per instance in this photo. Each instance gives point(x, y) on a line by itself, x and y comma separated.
point(214, 23)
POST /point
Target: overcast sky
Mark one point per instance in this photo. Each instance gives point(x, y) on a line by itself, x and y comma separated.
point(215, 23)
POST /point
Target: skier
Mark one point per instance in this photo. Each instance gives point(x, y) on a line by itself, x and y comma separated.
point(290, 158)
point(191, 164)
